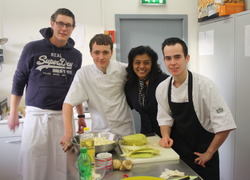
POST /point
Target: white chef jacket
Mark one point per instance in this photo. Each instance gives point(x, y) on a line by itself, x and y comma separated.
point(210, 107)
point(105, 96)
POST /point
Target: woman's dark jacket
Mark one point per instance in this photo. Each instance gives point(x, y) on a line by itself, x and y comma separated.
point(148, 115)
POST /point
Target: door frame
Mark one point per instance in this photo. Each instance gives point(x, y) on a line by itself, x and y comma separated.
point(124, 18)
point(120, 17)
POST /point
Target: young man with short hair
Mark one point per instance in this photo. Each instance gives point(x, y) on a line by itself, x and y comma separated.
point(194, 118)
point(102, 86)
point(46, 69)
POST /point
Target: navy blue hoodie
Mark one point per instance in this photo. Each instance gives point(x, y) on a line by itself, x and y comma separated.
point(47, 72)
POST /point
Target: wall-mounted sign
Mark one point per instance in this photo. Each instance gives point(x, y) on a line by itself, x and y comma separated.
point(153, 2)
point(111, 34)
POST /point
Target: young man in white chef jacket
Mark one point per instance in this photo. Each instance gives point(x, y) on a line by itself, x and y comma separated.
point(194, 118)
point(102, 86)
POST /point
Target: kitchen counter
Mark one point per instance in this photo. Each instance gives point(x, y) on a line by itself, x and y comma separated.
point(147, 169)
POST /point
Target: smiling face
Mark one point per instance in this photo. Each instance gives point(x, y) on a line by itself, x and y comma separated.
point(101, 55)
point(62, 29)
point(175, 60)
point(142, 65)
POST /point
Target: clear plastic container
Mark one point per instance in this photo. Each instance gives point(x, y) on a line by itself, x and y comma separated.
point(87, 140)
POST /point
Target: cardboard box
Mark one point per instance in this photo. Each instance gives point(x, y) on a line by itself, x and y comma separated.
point(231, 8)
point(208, 9)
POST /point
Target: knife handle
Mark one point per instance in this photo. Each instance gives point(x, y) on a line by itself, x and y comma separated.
point(149, 134)
point(185, 178)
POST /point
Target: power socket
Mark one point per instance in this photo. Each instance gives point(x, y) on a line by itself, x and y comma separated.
point(1, 59)
point(1, 56)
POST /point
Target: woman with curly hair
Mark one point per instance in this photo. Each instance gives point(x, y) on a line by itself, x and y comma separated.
point(144, 75)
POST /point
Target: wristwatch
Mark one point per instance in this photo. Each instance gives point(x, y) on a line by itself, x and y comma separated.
point(81, 116)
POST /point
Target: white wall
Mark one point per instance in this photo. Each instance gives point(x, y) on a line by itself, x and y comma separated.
point(247, 4)
point(22, 20)
point(1, 18)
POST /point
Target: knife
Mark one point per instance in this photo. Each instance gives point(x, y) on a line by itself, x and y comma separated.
point(187, 178)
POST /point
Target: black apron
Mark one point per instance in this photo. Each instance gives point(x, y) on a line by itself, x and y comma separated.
point(189, 136)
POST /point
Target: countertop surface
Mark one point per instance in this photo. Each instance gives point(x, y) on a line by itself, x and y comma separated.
point(5, 121)
point(143, 169)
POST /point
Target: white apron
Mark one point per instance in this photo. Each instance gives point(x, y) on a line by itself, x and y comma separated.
point(41, 156)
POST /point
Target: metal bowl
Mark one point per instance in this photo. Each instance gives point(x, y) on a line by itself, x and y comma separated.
point(99, 148)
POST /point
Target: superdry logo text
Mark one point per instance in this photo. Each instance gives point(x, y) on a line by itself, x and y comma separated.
point(44, 62)
point(56, 67)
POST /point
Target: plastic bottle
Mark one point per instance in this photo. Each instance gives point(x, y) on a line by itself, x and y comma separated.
point(84, 165)
point(87, 140)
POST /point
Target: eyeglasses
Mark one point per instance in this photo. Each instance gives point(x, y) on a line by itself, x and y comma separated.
point(62, 24)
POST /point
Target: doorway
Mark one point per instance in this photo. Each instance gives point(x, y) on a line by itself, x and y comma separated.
point(151, 30)
point(144, 29)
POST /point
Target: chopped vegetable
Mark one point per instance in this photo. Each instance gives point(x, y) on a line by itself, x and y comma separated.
point(139, 151)
point(122, 165)
point(102, 141)
point(134, 140)
point(127, 164)
point(116, 163)
point(142, 155)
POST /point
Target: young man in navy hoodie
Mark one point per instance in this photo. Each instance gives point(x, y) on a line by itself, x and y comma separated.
point(46, 69)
